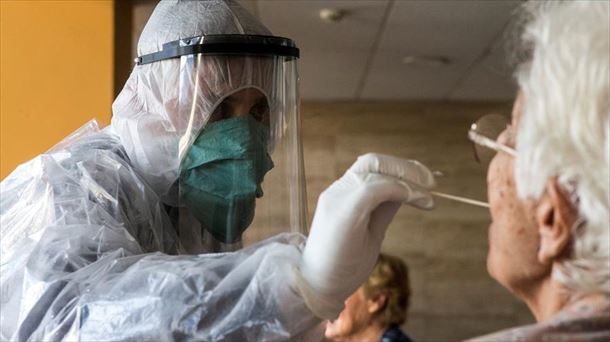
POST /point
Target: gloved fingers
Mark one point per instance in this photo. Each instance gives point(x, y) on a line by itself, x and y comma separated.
point(419, 197)
point(382, 188)
point(380, 220)
point(408, 170)
point(322, 306)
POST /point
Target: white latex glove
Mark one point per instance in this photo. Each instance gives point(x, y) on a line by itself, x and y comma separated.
point(350, 223)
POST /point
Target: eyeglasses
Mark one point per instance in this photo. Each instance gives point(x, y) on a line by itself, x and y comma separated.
point(484, 134)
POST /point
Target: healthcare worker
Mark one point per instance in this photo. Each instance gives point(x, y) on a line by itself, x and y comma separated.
point(110, 235)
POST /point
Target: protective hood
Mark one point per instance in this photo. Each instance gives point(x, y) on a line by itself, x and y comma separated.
point(145, 112)
point(196, 61)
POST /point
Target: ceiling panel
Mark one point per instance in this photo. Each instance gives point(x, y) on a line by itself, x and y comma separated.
point(333, 55)
point(459, 30)
point(489, 79)
point(328, 75)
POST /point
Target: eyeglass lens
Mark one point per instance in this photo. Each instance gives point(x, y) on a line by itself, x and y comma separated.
point(489, 126)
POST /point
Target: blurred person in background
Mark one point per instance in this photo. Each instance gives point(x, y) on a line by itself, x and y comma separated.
point(378, 308)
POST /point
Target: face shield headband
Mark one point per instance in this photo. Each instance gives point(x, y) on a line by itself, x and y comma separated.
point(224, 44)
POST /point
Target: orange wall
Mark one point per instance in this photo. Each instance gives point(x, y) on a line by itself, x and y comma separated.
point(56, 73)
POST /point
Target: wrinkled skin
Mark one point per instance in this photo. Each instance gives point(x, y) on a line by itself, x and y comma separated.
point(513, 234)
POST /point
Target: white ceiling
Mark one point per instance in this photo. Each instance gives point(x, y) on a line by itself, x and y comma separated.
point(360, 57)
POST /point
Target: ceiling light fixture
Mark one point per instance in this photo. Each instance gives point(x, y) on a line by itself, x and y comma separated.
point(427, 61)
point(332, 15)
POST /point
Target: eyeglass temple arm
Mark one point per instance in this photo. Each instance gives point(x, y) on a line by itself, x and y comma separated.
point(483, 141)
point(489, 143)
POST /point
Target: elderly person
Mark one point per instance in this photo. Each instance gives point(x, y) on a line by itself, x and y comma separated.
point(377, 309)
point(549, 181)
point(548, 184)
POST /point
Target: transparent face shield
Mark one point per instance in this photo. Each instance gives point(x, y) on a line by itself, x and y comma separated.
point(241, 176)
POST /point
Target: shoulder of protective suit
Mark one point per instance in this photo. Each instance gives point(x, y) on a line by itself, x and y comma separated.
point(89, 181)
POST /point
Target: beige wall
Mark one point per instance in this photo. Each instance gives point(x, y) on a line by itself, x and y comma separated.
point(56, 73)
point(445, 249)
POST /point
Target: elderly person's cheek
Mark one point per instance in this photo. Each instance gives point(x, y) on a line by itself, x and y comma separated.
point(507, 219)
point(513, 234)
point(495, 195)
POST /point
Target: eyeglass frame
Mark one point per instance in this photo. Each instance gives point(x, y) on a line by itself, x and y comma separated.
point(484, 141)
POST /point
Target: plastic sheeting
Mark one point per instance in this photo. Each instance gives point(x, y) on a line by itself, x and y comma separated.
point(78, 225)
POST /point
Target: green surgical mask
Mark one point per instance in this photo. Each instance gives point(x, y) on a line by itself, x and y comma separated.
point(221, 175)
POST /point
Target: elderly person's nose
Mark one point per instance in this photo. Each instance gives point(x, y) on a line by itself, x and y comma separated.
point(505, 138)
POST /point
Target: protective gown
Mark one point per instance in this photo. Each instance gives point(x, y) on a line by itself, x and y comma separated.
point(89, 250)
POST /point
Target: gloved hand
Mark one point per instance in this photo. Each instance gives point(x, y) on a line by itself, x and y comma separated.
point(350, 223)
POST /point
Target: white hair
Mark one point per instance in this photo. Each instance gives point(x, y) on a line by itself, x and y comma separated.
point(565, 127)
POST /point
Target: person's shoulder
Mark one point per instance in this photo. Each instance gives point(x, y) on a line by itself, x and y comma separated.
point(395, 334)
point(98, 142)
point(512, 334)
point(566, 326)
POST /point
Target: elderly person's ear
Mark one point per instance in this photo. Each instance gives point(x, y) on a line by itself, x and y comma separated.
point(555, 216)
point(376, 303)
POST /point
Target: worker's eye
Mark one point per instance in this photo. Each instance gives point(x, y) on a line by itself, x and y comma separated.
point(220, 113)
point(260, 111)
